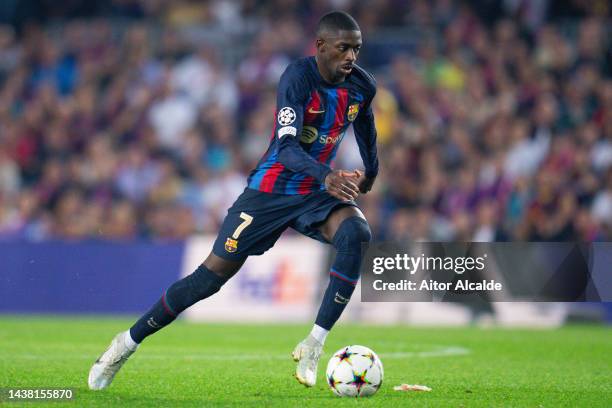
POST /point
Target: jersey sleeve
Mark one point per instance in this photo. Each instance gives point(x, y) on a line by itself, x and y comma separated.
point(365, 133)
point(291, 100)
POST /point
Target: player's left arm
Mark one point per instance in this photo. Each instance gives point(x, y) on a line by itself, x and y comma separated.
point(365, 133)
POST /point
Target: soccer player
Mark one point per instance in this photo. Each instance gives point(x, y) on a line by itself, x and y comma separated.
point(292, 186)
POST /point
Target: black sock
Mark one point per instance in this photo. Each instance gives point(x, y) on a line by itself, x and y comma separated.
point(178, 297)
point(336, 297)
point(344, 274)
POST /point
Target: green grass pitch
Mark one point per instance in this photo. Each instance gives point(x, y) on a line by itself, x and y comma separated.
point(205, 365)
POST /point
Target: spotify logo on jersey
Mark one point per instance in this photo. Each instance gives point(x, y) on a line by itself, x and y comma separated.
point(309, 134)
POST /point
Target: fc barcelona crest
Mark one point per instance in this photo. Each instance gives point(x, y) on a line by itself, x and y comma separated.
point(231, 245)
point(353, 110)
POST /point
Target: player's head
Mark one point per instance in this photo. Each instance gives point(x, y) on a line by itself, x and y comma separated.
point(338, 44)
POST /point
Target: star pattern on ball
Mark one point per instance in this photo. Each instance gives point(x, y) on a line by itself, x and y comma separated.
point(370, 356)
point(359, 380)
point(345, 355)
point(332, 381)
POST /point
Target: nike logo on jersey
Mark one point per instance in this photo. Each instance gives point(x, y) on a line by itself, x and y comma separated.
point(310, 110)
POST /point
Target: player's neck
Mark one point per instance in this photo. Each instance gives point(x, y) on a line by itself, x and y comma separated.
point(327, 76)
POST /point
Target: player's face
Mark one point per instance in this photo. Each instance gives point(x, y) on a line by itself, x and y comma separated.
point(338, 52)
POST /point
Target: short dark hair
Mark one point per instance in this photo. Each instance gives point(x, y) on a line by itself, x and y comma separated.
point(335, 21)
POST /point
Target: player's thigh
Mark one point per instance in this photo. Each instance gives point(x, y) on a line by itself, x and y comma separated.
point(329, 227)
point(251, 227)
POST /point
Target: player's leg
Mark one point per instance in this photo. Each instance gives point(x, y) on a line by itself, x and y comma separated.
point(251, 227)
point(346, 229)
point(205, 281)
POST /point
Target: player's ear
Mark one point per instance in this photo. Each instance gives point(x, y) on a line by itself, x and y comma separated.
point(320, 44)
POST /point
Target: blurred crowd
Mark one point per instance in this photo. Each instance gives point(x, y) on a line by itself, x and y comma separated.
point(493, 125)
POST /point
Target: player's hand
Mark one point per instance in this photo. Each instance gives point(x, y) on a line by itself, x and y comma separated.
point(341, 184)
point(363, 183)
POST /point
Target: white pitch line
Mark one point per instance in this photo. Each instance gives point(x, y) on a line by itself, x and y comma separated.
point(442, 352)
point(438, 352)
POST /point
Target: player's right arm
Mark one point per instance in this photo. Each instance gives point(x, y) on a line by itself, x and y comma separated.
point(292, 98)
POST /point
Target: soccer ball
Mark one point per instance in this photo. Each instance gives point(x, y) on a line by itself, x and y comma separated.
point(354, 371)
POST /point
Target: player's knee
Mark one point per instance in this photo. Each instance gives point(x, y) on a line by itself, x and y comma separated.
point(191, 289)
point(222, 267)
point(204, 282)
point(351, 234)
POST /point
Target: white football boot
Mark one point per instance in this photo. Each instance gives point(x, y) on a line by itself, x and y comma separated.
point(106, 366)
point(307, 354)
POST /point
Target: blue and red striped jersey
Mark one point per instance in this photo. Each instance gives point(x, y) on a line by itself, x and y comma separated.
point(311, 119)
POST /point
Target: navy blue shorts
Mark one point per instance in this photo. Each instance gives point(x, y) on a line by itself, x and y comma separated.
point(256, 220)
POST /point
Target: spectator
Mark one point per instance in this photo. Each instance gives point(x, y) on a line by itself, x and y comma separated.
point(493, 124)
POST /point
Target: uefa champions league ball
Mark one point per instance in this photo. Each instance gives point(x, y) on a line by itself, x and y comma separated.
point(354, 371)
